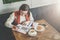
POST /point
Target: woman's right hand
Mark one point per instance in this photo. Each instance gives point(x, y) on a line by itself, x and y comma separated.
point(14, 28)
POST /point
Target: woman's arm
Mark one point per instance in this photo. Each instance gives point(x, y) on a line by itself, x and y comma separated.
point(31, 17)
point(9, 21)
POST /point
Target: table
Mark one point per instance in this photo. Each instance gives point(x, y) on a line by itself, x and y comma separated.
point(50, 33)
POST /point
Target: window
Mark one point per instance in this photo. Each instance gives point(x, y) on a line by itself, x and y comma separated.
point(10, 1)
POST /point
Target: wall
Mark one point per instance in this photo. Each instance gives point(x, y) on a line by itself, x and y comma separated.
point(38, 3)
point(5, 8)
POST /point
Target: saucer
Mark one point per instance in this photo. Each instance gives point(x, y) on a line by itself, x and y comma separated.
point(40, 28)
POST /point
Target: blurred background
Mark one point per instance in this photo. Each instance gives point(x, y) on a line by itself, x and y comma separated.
point(41, 9)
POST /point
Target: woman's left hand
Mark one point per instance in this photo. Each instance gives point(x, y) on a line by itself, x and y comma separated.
point(14, 28)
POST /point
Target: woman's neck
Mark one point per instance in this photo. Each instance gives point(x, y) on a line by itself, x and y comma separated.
point(22, 14)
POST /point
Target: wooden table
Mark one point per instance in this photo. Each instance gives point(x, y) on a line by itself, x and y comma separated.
point(49, 34)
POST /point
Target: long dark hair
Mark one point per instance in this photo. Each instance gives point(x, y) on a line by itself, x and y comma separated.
point(25, 7)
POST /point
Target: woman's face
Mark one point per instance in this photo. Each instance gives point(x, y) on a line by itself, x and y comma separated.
point(24, 12)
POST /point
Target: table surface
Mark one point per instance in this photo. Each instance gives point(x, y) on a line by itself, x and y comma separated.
point(50, 33)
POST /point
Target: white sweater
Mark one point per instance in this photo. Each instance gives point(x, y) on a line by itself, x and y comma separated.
point(10, 20)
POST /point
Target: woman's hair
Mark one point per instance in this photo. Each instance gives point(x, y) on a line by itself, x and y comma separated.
point(25, 7)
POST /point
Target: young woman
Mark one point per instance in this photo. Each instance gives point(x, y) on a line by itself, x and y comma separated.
point(19, 17)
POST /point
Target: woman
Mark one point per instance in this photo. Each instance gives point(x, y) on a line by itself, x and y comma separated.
point(19, 17)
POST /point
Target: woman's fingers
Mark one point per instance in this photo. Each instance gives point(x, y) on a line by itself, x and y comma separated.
point(14, 28)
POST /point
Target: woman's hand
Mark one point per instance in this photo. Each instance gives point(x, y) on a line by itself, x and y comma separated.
point(24, 23)
point(14, 28)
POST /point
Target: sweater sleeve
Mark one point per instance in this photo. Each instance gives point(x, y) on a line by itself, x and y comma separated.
point(9, 21)
point(31, 17)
